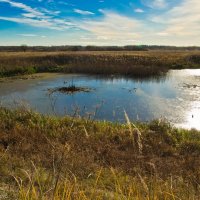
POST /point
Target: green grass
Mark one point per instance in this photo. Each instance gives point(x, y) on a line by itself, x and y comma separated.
point(46, 157)
point(124, 63)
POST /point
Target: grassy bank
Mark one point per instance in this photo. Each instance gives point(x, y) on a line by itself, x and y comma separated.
point(45, 157)
point(124, 63)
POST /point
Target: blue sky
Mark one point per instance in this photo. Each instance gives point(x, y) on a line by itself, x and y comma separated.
point(100, 22)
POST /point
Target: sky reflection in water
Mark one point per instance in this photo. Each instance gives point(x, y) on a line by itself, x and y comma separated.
point(175, 97)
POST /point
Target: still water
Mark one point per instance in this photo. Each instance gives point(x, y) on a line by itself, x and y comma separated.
point(175, 97)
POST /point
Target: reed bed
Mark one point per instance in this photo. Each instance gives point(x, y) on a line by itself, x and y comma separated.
point(123, 63)
point(47, 157)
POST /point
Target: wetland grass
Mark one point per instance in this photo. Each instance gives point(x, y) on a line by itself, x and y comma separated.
point(136, 64)
point(46, 157)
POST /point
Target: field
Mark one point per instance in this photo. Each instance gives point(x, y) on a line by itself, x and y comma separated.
point(49, 157)
point(131, 63)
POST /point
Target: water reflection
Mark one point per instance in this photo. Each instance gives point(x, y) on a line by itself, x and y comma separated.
point(168, 96)
point(117, 78)
point(193, 117)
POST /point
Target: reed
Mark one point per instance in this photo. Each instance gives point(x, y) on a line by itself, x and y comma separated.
point(106, 184)
point(47, 157)
point(124, 63)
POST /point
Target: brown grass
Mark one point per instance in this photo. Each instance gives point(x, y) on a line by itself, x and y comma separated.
point(50, 156)
point(125, 63)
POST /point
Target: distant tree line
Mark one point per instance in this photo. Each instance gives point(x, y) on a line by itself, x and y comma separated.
point(25, 48)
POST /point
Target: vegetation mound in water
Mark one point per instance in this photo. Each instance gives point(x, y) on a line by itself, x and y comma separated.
point(70, 89)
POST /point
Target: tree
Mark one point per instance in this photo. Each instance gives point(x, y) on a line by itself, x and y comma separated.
point(24, 47)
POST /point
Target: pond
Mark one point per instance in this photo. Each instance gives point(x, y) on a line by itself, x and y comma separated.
point(175, 96)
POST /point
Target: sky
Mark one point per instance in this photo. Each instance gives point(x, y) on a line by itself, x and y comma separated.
point(100, 22)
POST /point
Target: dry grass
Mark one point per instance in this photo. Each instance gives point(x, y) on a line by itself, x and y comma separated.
point(125, 63)
point(45, 157)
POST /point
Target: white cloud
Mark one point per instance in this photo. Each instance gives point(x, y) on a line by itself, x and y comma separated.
point(50, 24)
point(65, 3)
point(138, 10)
point(50, 12)
point(29, 15)
point(28, 35)
point(182, 20)
point(33, 17)
point(176, 26)
point(62, 22)
point(30, 12)
point(83, 12)
point(113, 27)
point(24, 7)
point(31, 35)
point(155, 4)
point(163, 34)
